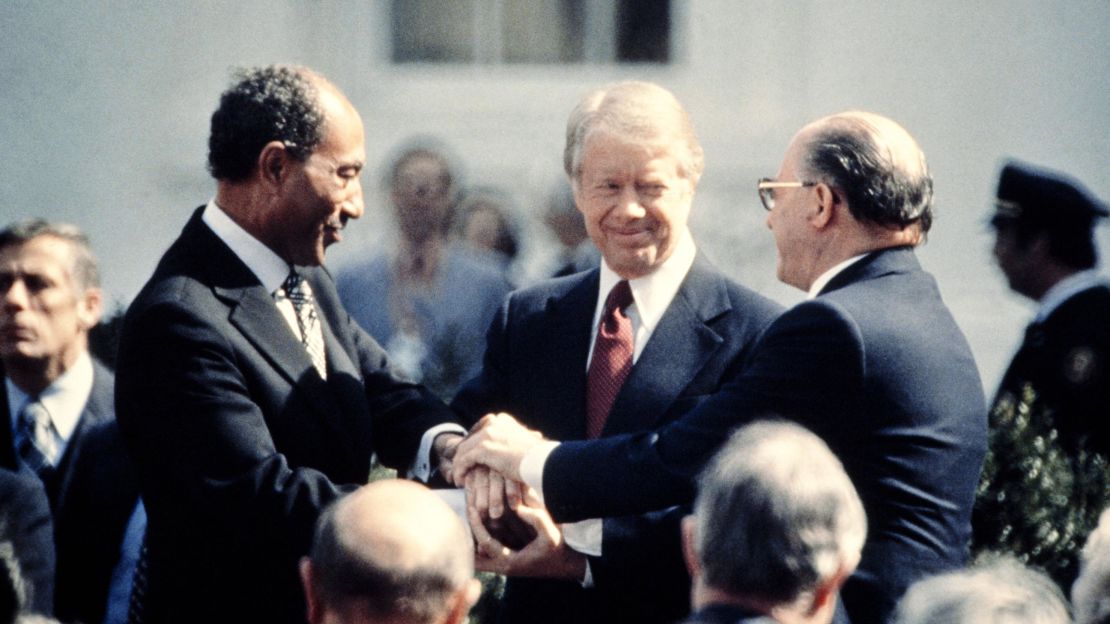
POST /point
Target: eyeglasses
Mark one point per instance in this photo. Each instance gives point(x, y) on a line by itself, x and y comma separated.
point(767, 188)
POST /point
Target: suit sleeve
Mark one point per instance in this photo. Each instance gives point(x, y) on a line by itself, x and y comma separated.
point(201, 443)
point(809, 357)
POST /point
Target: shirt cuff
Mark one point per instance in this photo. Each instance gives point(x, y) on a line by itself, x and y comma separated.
point(421, 468)
point(531, 466)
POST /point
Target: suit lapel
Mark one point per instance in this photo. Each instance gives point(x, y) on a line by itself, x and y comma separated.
point(570, 319)
point(252, 311)
point(678, 349)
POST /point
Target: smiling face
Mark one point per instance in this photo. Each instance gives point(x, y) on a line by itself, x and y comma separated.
point(319, 195)
point(44, 316)
point(635, 198)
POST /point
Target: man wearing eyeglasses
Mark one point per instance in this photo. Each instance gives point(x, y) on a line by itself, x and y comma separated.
point(872, 362)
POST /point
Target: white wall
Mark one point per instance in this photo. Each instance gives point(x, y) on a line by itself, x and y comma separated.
point(104, 111)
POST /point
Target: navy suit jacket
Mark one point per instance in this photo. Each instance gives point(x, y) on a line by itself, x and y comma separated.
point(535, 368)
point(238, 440)
point(25, 523)
point(878, 368)
point(93, 491)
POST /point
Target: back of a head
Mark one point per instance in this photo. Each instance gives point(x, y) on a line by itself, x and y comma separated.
point(641, 112)
point(392, 550)
point(1090, 595)
point(878, 166)
point(776, 515)
point(1001, 591)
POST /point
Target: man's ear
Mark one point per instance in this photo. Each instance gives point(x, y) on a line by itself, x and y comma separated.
point(824, 595)
point(463, 601)
point(314, 610)
point(90, 305)
point(273, 163)
point(827, 200)
point(689, 550)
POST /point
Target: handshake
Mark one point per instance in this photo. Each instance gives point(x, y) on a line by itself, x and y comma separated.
point(513, 533)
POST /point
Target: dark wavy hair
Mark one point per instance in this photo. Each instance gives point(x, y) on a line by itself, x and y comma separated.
point(867, 158)
point(275, 103)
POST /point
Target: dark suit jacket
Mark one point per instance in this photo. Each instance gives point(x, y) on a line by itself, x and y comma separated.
point(535, 368)
point(878, 368)
point(25, 524)
point(239, 442)
point(92, 492)
point(1066, 358)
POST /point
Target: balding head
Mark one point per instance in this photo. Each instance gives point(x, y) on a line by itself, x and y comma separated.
point(391, 551)
point(875, 163)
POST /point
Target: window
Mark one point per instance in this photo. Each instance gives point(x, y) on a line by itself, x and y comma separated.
point(531, 31)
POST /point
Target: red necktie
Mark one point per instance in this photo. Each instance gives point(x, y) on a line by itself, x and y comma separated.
point(612, 359)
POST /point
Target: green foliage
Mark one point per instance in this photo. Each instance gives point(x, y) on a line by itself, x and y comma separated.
point(1040, 494)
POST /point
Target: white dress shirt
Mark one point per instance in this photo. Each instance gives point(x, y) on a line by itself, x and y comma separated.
point(651, 295)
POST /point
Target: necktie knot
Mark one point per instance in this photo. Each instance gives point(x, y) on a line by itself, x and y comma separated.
point(299, 293)
point(39, 448)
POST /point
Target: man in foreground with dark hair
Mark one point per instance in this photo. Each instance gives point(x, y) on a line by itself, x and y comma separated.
point(873, 363)
point(777, 528)
point(247, 396)
point(392, 551)
point(1053, 402)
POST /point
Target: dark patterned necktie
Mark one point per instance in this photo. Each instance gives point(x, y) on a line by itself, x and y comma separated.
point(612, 359)
point(38, 447)
point(299, 293)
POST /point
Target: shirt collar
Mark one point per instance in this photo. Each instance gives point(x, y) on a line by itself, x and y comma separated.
point(826, 277)
point(652, 293)
point(266, 265)
point(1065, 289)
point(64, 399)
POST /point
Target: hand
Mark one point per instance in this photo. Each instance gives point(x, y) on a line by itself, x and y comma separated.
point(497, 441)
point(487, 496)
point(443, 449)
point(546, 555)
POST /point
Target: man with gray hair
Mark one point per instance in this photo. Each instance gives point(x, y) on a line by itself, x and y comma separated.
point(640, 339)
point(998, 591)
point(58, 419)
point(392, 551)
point(777, 528)
point(873, 363)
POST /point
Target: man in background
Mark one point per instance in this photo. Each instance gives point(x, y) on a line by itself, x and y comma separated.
point(777, 528)
point(1054, 399)
point(391, 551)
point(60, 422)
point(428, 301)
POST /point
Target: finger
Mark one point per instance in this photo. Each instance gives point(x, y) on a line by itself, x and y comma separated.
point(513, 496)
point(482, 423)
point(477, 488)
point(496, 495)
point(486, 545)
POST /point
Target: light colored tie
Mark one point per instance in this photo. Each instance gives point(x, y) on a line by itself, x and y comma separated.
point(38, 447)
point(299, 293)
point(611, 361)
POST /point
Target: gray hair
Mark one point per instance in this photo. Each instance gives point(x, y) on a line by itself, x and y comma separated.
point(998, 591)
point(638, 111)
point(83, 266)
point(1090, 595)
point(776, 514)
point(876, 164)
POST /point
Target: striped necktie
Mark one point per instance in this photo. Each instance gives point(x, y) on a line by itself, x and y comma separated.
point(299, 293)
point(38, 446)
